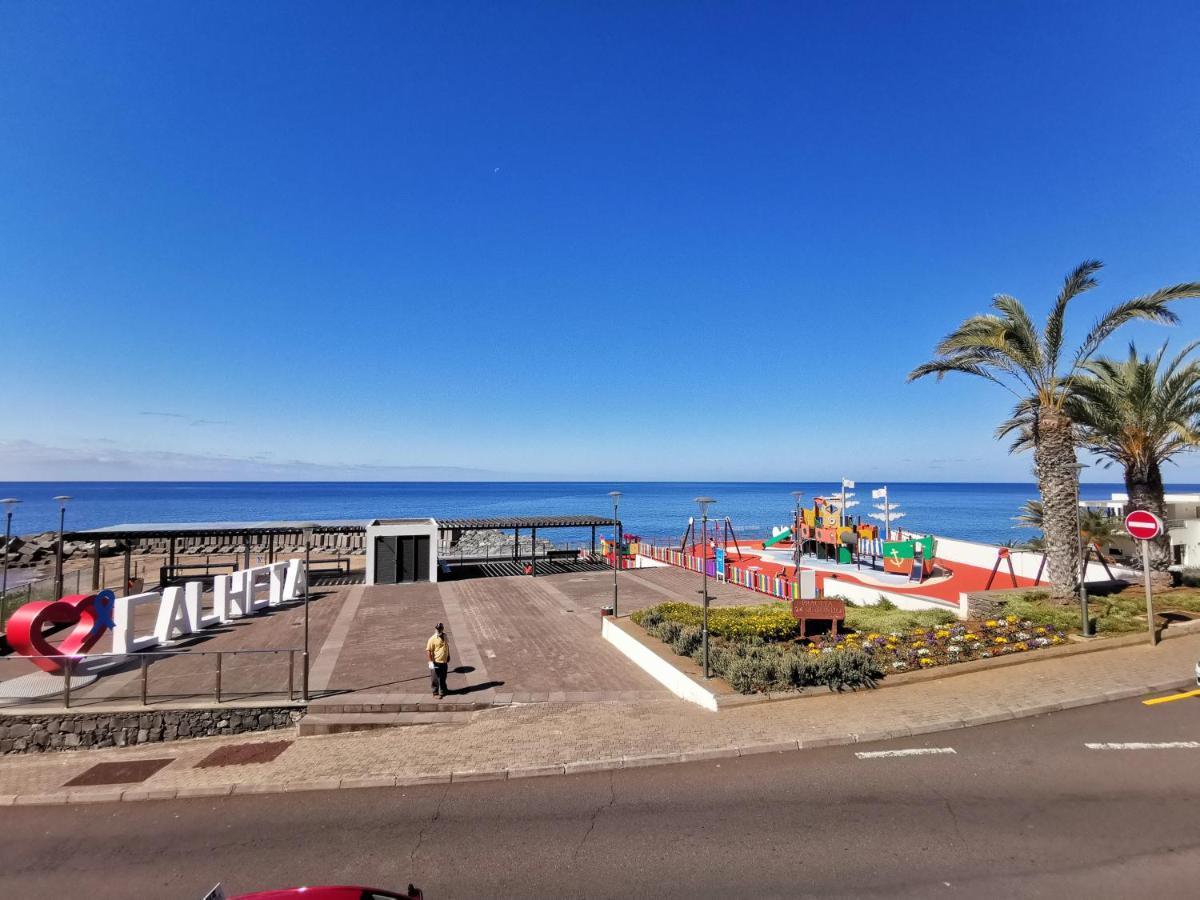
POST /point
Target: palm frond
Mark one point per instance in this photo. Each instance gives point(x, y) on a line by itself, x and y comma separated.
point(1080, 280)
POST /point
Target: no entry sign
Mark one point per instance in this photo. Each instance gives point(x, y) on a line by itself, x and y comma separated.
point(1145, 526)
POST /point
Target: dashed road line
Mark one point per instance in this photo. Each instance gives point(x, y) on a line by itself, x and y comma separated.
point(1145, 745)
point(915, 751)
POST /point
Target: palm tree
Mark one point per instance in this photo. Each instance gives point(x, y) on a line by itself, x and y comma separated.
point(1139, 414)
point(1007, 349)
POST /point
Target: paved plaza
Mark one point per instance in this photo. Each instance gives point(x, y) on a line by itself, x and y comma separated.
point(515, 638)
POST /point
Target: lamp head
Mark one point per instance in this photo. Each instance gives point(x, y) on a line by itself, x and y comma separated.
point(62, 499)
point(9, 503)
point(704, 503)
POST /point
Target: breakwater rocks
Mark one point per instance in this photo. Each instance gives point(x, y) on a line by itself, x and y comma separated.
point(34, 549)
point(71, 731)
point(39, 549)
point(492, 543)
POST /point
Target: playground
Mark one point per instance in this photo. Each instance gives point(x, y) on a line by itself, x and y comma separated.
point(822, 551)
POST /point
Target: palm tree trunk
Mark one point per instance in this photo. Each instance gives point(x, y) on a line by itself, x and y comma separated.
point(1145, 489)
point(1054, 461)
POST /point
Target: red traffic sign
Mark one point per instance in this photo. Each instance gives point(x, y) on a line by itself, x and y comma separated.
point(1142, 525)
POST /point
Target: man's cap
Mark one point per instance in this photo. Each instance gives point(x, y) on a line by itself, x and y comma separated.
point(440, 627)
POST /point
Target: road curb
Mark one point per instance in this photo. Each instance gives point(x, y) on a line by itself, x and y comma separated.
point(360, 782)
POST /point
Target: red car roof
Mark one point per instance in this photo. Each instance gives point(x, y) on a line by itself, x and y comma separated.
point(318, 892)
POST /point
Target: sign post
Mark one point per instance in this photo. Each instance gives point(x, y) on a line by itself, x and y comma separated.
point(1145, 526)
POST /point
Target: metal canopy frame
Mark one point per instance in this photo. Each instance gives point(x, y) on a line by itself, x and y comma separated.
point(504, 523)
point(533, 523)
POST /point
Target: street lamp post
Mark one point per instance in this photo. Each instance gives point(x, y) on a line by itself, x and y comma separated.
point(1083, 596)
point(616, 502)
point(704, 503)
point(58, 559)
point(307, 532)
point(797, 496)
point(9, 503)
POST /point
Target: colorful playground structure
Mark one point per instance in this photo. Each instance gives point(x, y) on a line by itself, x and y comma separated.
point(824, 554)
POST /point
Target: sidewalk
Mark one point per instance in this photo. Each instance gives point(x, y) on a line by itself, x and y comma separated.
point(554, 738)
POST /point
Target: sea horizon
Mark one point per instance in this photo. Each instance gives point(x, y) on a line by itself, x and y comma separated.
point(970, 510)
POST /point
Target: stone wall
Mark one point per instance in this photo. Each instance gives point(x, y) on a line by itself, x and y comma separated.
point(990, 604)
point(75, 731)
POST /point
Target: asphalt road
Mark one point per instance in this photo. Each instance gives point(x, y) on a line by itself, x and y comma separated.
point(1019, 809)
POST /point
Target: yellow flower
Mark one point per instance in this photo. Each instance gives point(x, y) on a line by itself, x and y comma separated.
point(1021, 646)
point(941, 634)
point(990, 623)
point(970, 636)
point(916, 644)
point(1011, 619)
point(1040, 629)
point(926, 661)
point(1000, 640)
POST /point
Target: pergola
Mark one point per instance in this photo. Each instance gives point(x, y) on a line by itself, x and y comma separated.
point(533, 523)
point(233, 532)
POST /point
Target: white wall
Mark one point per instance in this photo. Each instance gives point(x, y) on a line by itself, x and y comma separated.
point(864, 595)
point(656, 667)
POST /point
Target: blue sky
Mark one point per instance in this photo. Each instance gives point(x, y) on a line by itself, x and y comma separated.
point(423, 240)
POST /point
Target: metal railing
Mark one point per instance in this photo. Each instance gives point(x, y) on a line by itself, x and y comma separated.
point(217, 692)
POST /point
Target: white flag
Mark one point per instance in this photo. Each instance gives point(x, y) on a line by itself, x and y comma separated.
point(847, 483)
point(879, 493)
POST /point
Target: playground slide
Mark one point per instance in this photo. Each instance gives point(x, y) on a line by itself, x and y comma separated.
point(782, 536)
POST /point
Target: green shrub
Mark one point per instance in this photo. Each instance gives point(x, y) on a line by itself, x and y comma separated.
point(688, 640)
point(1190, 577)
point(758, 667)
point(888, 618)
point(1037, 608)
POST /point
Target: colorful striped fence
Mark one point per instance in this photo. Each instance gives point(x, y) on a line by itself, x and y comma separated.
point(773, 586)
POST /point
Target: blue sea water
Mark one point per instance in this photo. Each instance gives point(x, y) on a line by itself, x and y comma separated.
point(980, 512)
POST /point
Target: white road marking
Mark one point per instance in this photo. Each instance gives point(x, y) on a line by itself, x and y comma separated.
point(915, 751)
point(1140, 745)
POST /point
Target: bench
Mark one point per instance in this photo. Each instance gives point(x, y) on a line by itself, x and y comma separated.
point(833, 610)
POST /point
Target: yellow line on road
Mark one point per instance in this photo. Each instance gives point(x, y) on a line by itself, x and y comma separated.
point(1171, 697)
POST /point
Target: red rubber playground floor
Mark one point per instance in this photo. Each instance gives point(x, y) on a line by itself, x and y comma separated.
point(945, 589)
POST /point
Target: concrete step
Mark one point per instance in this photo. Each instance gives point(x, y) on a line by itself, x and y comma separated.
point(380, 706)
point(337, 723)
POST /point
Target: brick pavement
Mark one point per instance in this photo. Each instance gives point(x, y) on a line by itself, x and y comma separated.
point(527, 739)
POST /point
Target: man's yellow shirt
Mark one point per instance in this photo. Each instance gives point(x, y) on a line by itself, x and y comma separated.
point(439, 648)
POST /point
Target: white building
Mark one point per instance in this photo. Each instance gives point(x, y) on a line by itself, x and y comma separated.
point(1183, 524)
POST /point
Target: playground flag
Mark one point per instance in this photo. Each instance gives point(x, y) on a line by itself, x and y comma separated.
point(879, 493)
point(847, 483)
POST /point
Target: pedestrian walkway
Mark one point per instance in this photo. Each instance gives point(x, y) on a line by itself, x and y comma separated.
point(522, 739)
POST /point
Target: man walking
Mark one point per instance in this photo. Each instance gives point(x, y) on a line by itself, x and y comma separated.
point(438, 651)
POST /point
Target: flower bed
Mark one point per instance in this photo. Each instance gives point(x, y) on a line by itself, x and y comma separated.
point(922, 648)
point(756, 651)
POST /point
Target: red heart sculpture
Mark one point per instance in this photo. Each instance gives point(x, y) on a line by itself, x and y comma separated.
point(25, 636)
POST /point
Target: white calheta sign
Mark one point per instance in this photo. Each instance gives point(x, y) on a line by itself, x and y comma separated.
point(182, 610)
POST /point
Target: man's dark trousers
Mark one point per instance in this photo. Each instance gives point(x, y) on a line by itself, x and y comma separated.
point(437, 677)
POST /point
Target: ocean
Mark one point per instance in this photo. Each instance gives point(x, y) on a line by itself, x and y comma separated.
point(980, 512)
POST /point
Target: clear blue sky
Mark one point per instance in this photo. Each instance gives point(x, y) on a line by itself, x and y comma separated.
point(343, 239)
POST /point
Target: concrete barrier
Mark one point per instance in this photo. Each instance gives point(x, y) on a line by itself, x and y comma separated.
point(662, 671)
